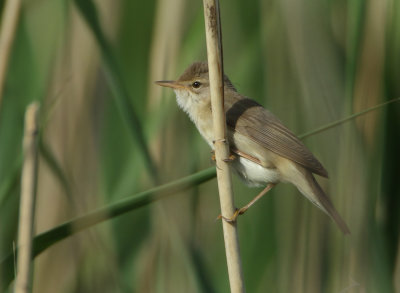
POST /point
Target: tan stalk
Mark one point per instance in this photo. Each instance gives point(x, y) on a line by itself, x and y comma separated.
point(7, 33)
point(214, 53)
point(27, 202)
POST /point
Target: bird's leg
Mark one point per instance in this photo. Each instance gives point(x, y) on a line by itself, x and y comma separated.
point(242, 210)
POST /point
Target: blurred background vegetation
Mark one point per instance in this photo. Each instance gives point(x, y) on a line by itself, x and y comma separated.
point(92, 67)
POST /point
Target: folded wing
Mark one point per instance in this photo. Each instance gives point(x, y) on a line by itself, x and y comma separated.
point(252, 120)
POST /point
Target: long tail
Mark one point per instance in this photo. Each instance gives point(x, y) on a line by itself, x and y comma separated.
point(317, 196)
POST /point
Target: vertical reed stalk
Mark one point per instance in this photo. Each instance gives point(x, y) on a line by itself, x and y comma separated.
point(27, 203)
point(214, 53)
point(8, 27)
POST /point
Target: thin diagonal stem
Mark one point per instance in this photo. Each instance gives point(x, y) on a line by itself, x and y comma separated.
point(341, 121)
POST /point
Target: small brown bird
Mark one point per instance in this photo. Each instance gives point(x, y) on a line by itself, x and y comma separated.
point(265, 151)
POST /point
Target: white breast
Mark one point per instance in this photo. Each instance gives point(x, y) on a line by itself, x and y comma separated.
point(253, 174)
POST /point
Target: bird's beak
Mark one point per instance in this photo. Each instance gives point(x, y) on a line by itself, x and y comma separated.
point(170, 83)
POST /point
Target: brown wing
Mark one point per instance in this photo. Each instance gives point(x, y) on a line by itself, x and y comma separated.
point(252, 120)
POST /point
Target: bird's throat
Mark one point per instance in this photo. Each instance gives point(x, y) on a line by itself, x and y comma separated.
point(199, 111)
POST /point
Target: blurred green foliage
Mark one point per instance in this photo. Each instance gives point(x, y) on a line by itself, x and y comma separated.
point(108, 132)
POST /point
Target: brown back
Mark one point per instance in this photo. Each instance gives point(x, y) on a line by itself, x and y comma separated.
point(252, 120)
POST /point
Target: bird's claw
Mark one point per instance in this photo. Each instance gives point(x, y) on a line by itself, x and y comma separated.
point(227, 160)
point(233, 218)
point(230, 158)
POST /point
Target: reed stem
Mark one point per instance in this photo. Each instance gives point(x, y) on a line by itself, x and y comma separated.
point(216, 72)
point(27, 203)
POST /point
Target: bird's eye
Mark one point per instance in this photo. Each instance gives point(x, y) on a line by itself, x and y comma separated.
point(196, 84)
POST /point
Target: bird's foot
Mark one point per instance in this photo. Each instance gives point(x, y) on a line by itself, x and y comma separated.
point(213, 158)
point(232, 219)
point(230, 158)
point(227, 160)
